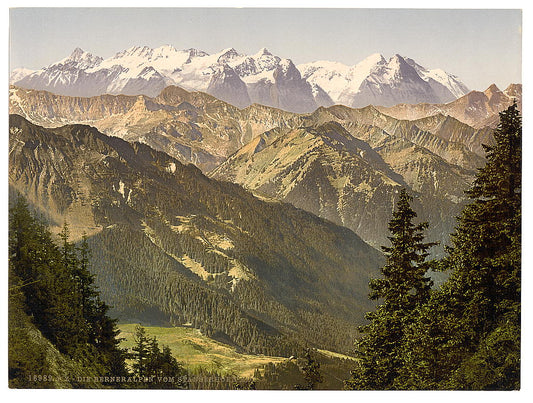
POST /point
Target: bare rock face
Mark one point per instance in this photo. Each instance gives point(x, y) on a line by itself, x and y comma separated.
point(291, 91)
point(226, 85)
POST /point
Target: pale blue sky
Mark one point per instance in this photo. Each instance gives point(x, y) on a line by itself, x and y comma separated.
point(479, 46)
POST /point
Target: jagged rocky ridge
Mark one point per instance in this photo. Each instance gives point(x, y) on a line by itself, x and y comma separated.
point(327, 170)
point(173, 246)
point(477, 108)
point(191, 126)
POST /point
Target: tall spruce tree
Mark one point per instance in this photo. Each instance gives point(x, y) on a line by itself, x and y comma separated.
point(486, 259)
point(403, 287)
point(311, 370)
point(468, 335)
point(141, 352)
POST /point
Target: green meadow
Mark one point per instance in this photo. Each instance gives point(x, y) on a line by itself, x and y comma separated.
point(198, 352)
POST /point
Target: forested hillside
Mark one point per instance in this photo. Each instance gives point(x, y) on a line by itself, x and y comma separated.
point(172, 246)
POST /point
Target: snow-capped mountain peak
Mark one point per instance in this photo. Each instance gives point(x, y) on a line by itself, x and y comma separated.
point(449, 81)
point(364, 68)
point(397, 69)
point(77, 55)
point(227, 55)
point(164, 52)
point(285, 65)
point(259, 78)
point(374, 58)
point(397, 62)
point(370, 62)
point(139, 51)
point(375, 80)
point(19, 74)
point(165, 48)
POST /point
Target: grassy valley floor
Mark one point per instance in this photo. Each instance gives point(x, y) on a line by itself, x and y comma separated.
point(198, 352)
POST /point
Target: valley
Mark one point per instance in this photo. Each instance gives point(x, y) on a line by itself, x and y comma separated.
point(204, 252)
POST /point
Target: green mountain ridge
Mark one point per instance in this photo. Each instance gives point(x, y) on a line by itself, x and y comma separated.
point(353, 182)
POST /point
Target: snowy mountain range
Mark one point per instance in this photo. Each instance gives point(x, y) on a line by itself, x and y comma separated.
point(241, 79)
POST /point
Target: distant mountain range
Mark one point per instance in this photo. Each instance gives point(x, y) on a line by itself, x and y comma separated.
point(271, 242)
point(241, 79)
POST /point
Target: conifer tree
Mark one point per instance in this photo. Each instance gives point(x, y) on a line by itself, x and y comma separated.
point(141, 351)
point(485, 252)
point(151, 361)
point(486, 261)
point(171, 368)
point(50, 279)
point(403, 287)
point(468, 335)
point(86, 288)
point(49, 291)
point(311, 370)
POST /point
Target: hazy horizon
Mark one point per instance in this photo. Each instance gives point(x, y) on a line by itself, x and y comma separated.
point(480, 47)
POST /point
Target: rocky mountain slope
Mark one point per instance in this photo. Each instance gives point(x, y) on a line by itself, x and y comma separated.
point(193, 127)
point(241, 79)
point(173, 246)
point(456, 142)
point(350, 177)
point(347, 172)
